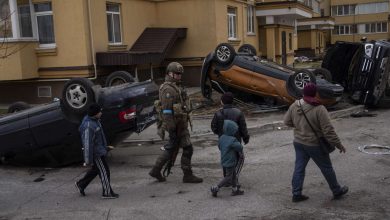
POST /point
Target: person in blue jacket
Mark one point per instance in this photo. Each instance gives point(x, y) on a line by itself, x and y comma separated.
point(229, 147)
point(95, 151)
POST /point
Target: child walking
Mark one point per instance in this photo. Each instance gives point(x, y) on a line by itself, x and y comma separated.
point(230, 148)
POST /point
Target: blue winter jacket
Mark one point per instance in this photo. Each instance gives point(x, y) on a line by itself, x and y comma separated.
point(229, 145)
point(92, 138)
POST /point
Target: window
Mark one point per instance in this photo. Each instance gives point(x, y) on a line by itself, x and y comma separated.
point(250, 19)
point(344, 29)
point(372, 8)
point(5, 20)
point(340, 10)
point(44, 15)
point(380, 27)
point(25, 25)
point(113, 23)
point(232, 23)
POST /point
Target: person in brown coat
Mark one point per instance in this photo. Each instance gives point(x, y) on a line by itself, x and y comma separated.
point(306, 143)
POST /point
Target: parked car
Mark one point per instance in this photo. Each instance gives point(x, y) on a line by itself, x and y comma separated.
point(52, 128)
point(225, 70)
point(362, 68)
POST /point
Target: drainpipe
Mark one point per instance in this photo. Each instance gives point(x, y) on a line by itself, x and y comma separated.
point(92, 42)
point(92, 52)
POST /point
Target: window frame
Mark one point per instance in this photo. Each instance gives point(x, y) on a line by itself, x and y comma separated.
point(112, 13)
point(44, 13)
point(232, 27)
point(15, 23)
point(250, 20)
point(373, 27)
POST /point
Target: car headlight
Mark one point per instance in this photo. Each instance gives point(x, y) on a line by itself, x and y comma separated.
point(368, 49)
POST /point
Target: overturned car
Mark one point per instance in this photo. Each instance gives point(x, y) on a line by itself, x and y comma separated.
point(52, 129)
point(225, 70)
point(362, 68)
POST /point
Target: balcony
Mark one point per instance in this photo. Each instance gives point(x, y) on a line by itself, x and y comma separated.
point(282, 12)
point(18, 60)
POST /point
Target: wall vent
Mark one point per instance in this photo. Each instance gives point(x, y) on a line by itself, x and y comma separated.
point(44, 91)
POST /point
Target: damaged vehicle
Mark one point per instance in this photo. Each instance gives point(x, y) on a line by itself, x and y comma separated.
point(52, 129)
point(244, 72)
point(363, 69)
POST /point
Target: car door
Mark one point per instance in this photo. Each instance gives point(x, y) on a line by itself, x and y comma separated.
point(239, 75)
point(15, 133)
point(50, 127)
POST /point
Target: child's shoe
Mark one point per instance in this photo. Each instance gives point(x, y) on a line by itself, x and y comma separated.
point(237, 192)
point(214, 191)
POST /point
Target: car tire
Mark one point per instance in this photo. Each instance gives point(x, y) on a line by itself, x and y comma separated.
point(78, 95)
point(224, 53)
point(18, 106)
point(301, 78)
point(247, 48)
point(323, 74)
point(118, 78)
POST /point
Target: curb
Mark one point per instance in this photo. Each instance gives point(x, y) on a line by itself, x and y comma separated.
point(260, 128)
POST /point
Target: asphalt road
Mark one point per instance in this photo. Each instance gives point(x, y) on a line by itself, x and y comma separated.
point(39, 193)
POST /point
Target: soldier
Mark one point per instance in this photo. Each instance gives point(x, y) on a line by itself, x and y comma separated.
point(174, 110)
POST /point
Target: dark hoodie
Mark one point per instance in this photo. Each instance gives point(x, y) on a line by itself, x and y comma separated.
point(319, 119)
point(229, 145)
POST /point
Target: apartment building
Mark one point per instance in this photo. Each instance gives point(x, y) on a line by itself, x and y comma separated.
point(46, 42)
point(355, 19)
point(289, 27)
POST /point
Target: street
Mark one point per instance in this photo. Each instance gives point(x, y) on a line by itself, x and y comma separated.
point(40, 193)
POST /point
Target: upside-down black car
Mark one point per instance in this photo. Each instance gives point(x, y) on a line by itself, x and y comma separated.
point(363, 69)
point(52, 128)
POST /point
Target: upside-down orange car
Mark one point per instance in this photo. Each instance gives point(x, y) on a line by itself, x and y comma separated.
point(225, 70)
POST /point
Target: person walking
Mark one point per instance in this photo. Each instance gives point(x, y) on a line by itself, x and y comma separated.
point(95, 151)
point(306, 144)
point(229, 147)
point(229, 112)
point(174, 108)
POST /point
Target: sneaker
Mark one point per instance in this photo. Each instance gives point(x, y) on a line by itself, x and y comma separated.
point(299, 198)
point(111, 196)
point(343, 191)
point(237, 192)
point(214, 191)
point(81, 190)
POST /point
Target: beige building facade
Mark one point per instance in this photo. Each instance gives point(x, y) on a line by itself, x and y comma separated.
point(355, 19)
point(52, 41)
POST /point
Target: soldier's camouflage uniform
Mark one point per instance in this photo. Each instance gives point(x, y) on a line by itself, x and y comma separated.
point(175, 108)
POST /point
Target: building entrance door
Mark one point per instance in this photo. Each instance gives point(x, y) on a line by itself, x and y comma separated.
point(284, 49)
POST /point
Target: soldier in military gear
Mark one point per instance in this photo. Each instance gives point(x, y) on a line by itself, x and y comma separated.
point(174, 111)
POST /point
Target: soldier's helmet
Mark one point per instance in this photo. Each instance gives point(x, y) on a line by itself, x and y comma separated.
point(175, 67)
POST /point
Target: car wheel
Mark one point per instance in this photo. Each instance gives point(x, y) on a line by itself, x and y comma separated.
point(78, 95)
point(18, 106)
point(118, 78)
point(247, 48)
point(323, 73)
point(301, 78)
point(224, 54)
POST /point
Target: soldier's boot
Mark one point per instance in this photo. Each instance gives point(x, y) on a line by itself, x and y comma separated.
point(156, 170)
point(189, 177)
